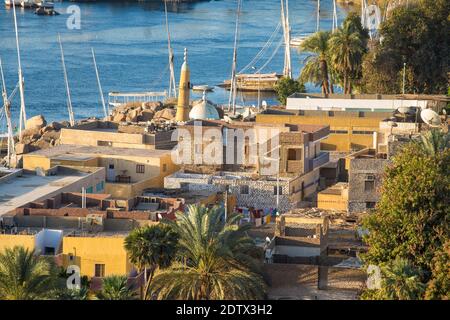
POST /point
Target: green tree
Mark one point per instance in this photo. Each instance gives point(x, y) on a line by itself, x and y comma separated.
point(434, 141)
point(439, 285)
point(286, 87)
point(411, 220)
point(151, 247)
point(316, 64)
point(418, 36)
point(116, 288)
point(25, 276)
point(347, 47)
point(400, 281)
point(215, 261)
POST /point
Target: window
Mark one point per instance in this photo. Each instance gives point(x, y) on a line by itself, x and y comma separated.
point(99, 186)
point(164, 167)
point(49, 251)
point(104, 143)
point(362, 132)
point(280, 190)
point(339, 131)
point(90, 189)
point(370, 205)
point(301, 112)
point(294, 154)
point(331, 113)
point(244, 189)
point(369, 185)
point(140, 168)
point(111, 166)
point(99, 270)
point(361, 114)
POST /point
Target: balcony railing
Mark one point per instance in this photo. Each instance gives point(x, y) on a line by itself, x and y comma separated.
point(320, 160)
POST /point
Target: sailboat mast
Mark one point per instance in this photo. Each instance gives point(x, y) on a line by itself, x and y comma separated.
point(23, 115)
point(69, 101)
point(233, 89)
point(105, 109)
point(335, 22)
point(318, 16)
point(287, 72)
point(7, 105)
point(172, 82)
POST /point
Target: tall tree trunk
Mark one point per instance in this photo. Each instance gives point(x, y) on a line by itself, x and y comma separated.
point(324, 74)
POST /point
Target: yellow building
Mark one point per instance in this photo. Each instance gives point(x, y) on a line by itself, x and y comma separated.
point(12, 240)
point(334, 197)
point(349, 130)
point(128, 171)
point(98, 256)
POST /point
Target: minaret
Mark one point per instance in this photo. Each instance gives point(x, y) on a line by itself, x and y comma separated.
point(183, 93)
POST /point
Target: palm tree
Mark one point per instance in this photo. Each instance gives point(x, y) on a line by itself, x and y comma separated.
point(151, 247)
point(116, 288)
point(24, 275)
point(215, 260)
point(401, 281)
point(434, 141)
point(316, 68)
point(346, 47)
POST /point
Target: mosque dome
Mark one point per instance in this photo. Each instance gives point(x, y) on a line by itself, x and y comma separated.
point(204, 110)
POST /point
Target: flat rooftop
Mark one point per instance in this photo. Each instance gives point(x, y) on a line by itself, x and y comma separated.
point(22, 189)
point(71, 151)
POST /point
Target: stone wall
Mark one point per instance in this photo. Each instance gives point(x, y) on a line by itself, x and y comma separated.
point(360, 170)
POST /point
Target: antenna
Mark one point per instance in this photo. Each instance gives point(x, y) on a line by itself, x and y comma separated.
point(23, 115)
point(69, 100)
point(172, 82)
point(105, 108)
point(430, 117)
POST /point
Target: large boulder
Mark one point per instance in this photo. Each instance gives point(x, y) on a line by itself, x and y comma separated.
point(166, 114)
point(22, 148)
point(119, 117)
point(132, 116)
point(51, 135)
point(152, 106)
point(146, 115)
point(36, 122)
point(30, 133)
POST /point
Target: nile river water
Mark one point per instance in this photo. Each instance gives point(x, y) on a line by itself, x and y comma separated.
point(130, 41)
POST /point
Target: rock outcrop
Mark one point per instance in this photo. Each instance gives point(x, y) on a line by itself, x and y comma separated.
point(38, 135)
point(154, 111)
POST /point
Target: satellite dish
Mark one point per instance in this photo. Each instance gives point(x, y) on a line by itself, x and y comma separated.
point(264, 104)
point(268, 239)
point(227, 119)
point(159, 216)
point(430, 117)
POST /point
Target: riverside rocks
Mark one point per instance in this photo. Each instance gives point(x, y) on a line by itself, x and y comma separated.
point(154, 111)
point(38, 135)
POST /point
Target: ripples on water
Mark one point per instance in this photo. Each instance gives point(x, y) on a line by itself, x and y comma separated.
point(131, 48)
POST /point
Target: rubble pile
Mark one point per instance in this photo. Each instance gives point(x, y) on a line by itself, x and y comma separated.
point(37, 135)
point(143, 112)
